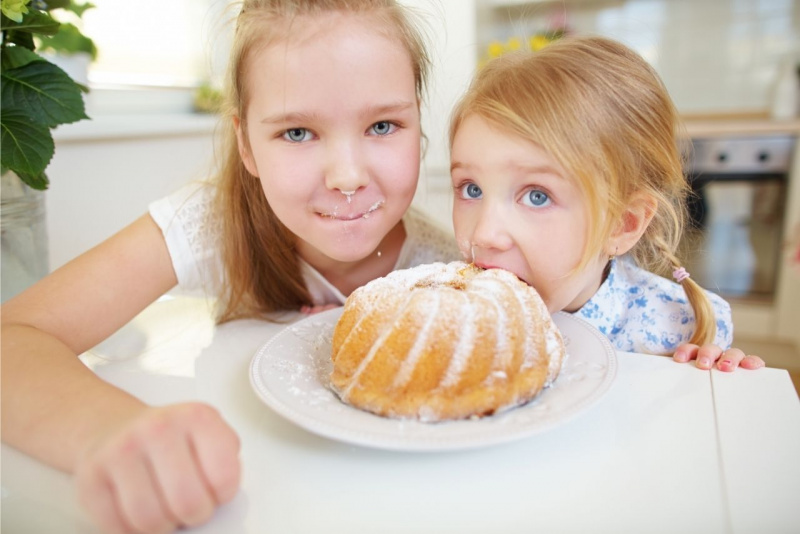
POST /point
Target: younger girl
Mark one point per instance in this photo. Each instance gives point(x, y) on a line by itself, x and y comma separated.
point(311, 202)
point(567, 172)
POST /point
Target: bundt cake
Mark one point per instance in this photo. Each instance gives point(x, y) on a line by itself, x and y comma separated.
point(444, 341)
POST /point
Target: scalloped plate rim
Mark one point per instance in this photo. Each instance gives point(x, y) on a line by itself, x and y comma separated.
point(357, 427)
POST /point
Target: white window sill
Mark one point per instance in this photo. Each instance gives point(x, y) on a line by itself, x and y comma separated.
point(131, 112)
point(126, 126)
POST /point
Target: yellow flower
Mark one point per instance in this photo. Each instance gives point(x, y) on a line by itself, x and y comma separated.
point(538, 42)
point(14, 9)
point(514, 43)
point(495, 49)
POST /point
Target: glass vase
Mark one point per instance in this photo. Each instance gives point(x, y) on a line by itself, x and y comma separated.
point(25, 257)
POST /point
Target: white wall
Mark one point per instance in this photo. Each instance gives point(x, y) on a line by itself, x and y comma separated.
point(714, 55)
point(451, 27)
point(104, 174)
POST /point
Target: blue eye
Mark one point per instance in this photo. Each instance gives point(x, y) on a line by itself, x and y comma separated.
point(297, 135)
point(383, 128)
point(536, 198)
point(471, 191)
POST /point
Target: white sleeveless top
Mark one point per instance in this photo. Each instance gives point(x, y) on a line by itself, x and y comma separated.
point(193, 238)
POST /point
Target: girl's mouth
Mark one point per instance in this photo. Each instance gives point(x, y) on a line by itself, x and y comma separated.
point(484, 265)
point(350, 215)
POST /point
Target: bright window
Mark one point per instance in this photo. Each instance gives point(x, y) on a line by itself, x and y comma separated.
point(162, 43)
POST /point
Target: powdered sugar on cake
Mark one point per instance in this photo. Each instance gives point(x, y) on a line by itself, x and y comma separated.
point(477, 342)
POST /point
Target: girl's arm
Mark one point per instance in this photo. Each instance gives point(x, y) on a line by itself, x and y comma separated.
point(726, 360)
point(137, 467)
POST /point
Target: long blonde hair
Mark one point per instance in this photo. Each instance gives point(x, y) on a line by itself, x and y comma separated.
point(261, 268)
point(604, 114)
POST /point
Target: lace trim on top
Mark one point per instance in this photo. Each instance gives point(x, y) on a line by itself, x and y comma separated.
point(185, 218)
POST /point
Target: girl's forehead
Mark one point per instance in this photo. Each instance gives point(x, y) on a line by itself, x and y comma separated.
point(319, 28)
point(504, 146)
point(335, 35)
point(341, 65)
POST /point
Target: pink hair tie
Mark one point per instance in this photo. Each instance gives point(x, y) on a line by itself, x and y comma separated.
point(680, 274)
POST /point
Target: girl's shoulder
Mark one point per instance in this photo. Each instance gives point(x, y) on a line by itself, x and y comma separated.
point(426, 241)
point(641, 311)
point(187, 220)
point(640, 283)
point(189, 203)
point(186, 217)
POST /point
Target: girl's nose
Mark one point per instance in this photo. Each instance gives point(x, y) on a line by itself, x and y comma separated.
point(491, 229)
point(346, 170)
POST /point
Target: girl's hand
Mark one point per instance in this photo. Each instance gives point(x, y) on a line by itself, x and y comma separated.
point(170, 467)
point(726, 360)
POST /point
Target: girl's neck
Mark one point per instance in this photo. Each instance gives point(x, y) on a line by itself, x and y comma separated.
point(591, 288)
point(347, 276)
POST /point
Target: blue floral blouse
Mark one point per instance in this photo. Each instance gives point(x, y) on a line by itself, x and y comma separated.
point(642, 312)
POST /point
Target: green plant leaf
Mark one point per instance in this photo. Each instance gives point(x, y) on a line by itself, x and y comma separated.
point(58, 4)
point(79, 9)
point(33, 22)
point(43, 92)
point(69, 40)
point(23, 39)
point(39, 181)
point(25, 147)
point(18, 56)
point(4, 21)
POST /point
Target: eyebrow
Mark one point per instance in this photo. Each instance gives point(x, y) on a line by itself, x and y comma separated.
point(298, 117)
point(528, 169)
point(387, 109)
point(537, 169)
point(290, 117)
point(458, 165)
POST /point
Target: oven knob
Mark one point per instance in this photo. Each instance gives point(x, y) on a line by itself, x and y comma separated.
point(763, 156)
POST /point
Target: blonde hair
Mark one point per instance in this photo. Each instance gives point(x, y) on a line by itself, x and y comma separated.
point(261, 269)
point(603, 113)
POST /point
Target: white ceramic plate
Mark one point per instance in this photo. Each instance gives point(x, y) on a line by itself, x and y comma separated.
point(290, 373)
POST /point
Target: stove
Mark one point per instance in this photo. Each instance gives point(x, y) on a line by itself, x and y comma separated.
point(733, 243)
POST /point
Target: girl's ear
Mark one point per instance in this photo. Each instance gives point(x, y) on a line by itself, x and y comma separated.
point(244, 150)
point(634, 221)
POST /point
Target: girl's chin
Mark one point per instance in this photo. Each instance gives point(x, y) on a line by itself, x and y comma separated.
point(346, 252)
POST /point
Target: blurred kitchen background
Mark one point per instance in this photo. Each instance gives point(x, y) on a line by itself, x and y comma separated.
point(731, 67)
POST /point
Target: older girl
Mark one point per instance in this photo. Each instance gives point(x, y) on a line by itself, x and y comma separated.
point(323, 132)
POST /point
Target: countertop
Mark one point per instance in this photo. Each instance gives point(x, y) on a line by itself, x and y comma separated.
point(738, 125)
point(668, 448)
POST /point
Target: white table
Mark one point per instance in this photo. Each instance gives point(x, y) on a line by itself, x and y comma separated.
point(669, 448)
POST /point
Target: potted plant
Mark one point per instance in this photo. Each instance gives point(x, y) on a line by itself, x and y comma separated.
point(35, 97)
point(36, 94)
